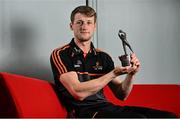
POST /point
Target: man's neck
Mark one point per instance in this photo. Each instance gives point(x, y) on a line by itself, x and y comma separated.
point(84, 46)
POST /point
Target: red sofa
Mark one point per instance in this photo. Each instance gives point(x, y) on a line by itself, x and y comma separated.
point(22, 96)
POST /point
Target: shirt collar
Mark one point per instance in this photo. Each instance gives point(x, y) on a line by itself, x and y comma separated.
point(76, 50)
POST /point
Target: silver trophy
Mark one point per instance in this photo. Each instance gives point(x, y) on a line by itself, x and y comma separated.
point(125, 59)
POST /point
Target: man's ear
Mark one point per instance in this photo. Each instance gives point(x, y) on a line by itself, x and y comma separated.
point(70, 25)
point(95, 27)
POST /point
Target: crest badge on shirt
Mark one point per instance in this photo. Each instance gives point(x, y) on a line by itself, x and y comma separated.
point(98, 66)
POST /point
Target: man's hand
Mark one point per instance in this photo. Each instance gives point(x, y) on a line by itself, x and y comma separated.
point(121, 70)
point(133, 69)
point(135, 64)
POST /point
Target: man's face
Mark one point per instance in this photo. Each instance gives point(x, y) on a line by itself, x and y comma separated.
point(83, 27)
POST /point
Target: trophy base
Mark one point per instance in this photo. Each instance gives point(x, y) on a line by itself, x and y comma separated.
point(125, 60)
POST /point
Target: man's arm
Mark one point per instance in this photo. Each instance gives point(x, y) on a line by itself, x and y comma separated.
point(122, 89)
point(81, 90)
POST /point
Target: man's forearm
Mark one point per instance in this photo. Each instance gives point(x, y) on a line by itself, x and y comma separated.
point(127, 85)
point(81, 90)
point(94, 85)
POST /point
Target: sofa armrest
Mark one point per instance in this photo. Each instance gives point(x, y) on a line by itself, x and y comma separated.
point(28, 97)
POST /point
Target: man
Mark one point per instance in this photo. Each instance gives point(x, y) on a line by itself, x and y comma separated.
point(81, 72)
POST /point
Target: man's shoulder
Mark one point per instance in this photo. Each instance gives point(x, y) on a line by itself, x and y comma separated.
point(61, 48)
point(102, 52)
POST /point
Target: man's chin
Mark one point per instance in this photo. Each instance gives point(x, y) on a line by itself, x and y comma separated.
point(84, 39)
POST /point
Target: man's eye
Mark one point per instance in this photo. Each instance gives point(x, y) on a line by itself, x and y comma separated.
point(79, 22)
point(89, 23)
point(82, 22)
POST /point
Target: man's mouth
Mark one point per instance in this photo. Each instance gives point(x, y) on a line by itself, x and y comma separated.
point(84, 32)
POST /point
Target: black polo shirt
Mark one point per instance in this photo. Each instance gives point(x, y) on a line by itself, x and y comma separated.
point(70, 58)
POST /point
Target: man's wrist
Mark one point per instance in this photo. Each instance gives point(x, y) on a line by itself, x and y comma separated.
point(131, 74)
point(115, 73)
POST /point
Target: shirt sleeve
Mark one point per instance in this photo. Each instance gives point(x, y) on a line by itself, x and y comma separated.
point(108, 63)
point(60, 63)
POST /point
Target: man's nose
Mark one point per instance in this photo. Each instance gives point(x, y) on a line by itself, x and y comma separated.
point(84, 25)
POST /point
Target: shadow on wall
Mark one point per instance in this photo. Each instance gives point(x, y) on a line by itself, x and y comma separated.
point(23, 58)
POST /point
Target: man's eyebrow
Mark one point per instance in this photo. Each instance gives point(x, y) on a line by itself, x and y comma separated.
point(84, 20)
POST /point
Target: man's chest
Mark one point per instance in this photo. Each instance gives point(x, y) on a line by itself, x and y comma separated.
point(89, 64)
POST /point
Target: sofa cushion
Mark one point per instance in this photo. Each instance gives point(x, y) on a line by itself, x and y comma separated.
point(158, 96)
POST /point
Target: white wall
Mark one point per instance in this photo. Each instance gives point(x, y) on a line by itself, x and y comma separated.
point(153, 30)
point(30, 30)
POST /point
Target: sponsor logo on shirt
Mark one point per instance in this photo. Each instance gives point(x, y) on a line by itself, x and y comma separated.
point(78, 64)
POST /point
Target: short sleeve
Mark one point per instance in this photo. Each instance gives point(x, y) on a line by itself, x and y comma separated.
point(60, 62)
point(109, 64)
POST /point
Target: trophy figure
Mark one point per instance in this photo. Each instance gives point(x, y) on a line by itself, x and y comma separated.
point(125, 59)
